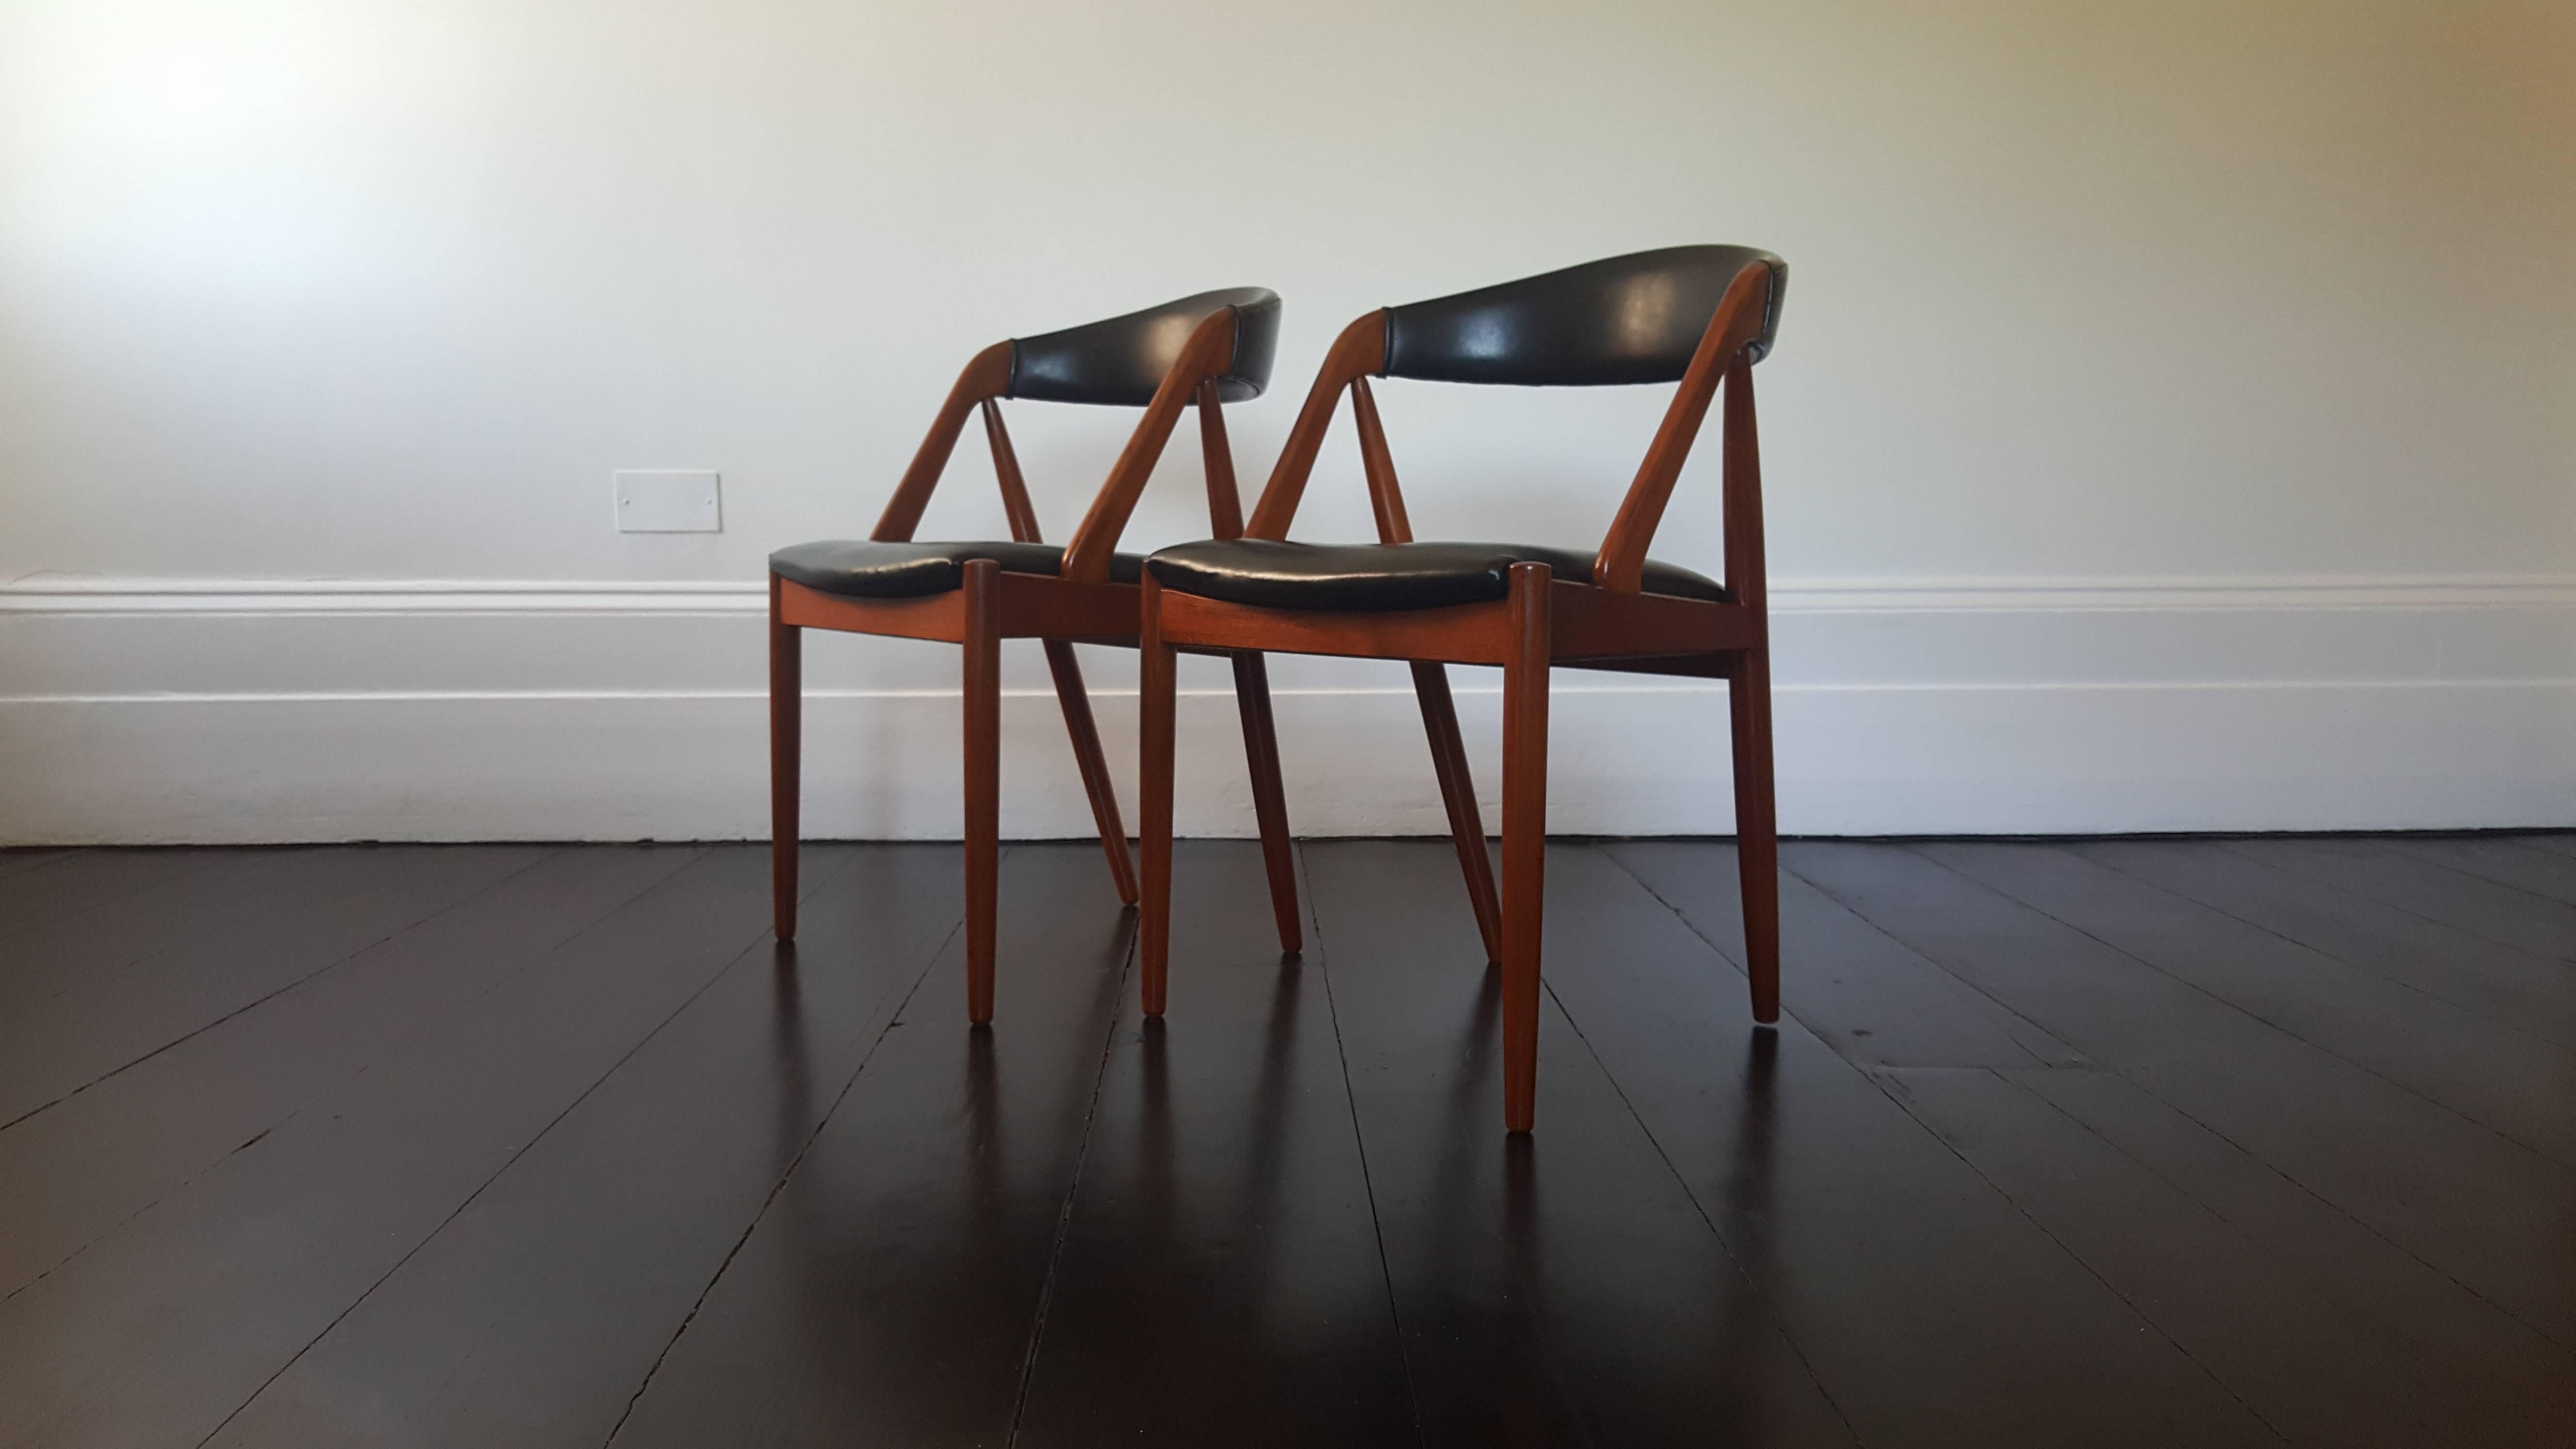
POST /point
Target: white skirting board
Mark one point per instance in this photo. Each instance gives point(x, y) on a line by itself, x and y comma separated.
point(140, 711)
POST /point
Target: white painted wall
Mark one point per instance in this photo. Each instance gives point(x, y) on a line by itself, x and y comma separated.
point(2174, 424)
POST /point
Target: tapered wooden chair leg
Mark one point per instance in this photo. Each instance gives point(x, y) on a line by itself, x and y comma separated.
point(1458, 793)
point(1095, 771)
point(1525, 681)
point(1269, 799)
point(1757, 837)
point(983, 699)
point(786, 759)
point(1154, 787)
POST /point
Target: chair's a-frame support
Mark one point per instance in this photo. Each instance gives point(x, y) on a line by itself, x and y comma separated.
point(1081, 605)
point(1542, 622)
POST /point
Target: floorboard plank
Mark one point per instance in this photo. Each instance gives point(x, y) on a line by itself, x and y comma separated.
point(102, 910)
point(336, 906)
point(1561, 1288)
point(2489, 1211)
point(2485, 1374)
point(1930, 1306)
point(2507, 986)
point(1858, 989)
point(2313, 1372)
point(2471, 903)
point(2506, 860)
point(2120, 1142)
point(1221, 1242)
point(75, 1170)
point(159, 1331)
point(2515, 1084)
point(17, 858)
point(889, 1291)
point(80, 881)
point(533, 1317)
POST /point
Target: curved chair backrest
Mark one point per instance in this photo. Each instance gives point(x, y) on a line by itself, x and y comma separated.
point(1699, 315)
point(1121, 361)
point(1630, 319)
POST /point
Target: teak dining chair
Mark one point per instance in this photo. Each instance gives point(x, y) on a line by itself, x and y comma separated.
point(1203, 351)
point(1701, 315)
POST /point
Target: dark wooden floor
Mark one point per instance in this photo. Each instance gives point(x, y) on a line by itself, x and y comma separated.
point(2097, 1144)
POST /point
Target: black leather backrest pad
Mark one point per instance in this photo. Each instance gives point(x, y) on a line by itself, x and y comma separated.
point(1122, 360)
point(1635, 318)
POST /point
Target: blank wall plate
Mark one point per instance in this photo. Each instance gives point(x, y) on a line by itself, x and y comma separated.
point(669, 500)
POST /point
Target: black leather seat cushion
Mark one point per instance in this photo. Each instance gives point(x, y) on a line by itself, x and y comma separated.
point(1374, 577)
point(866, 569)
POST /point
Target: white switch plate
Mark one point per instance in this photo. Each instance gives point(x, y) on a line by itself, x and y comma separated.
point(664, 500)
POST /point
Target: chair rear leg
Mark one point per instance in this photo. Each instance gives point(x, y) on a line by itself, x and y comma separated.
point(786, 758)
point(1154, 804)
point(1269, 800)
point(1095, 771)
point(983, 699)
point(1458, 792)
point(1525, 680)
point(1757, 834)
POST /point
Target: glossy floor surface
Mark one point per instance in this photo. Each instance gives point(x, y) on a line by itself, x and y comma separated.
point(2098, 1144)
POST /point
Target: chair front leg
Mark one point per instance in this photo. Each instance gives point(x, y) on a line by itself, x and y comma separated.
point(1525, 681)
point(786, 759)
point(983, 701)
point(1157, 701)
point(1085, 733)
point(1269, 799)
point(1757, 835)
point(1458, 793)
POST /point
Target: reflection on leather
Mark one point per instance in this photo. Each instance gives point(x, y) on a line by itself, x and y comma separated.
point(863, 568)
point(1122, 360)
point(1382, 576)
point(1628, 319)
